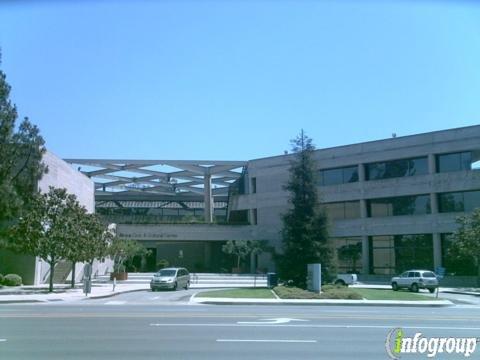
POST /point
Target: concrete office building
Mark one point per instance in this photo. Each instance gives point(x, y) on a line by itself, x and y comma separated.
point(396, 198)
point(32, 269)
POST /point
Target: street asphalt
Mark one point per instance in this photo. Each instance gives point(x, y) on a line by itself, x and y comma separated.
point(162, 325)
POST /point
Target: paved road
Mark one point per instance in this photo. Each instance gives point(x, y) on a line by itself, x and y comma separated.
point(141, 326)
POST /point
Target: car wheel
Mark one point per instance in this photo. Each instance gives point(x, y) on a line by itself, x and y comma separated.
point(394, 286)
point(432, 290)
point(340, 283)
point(187, 285)
point(174, 286)
point(414, 288)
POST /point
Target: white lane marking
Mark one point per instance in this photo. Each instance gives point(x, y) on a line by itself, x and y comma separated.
point(115, 302)
point(155, 298)
point(319, 326)
point(267, 340)
point(270, 321)
point(3, 340)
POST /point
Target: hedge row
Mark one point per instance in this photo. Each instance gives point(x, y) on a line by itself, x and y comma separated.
point(10, 280)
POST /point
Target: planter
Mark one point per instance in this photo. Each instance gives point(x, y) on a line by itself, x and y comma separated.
point(119, 276)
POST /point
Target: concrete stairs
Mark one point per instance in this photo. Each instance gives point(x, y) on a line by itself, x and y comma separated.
point(62, 270)
point(199, 280)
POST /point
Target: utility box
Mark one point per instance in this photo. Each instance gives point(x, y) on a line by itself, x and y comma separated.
point(272, 279)
point(314, 277)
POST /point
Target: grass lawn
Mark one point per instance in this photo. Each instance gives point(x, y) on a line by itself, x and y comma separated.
point(376, 294)
point(253, 293)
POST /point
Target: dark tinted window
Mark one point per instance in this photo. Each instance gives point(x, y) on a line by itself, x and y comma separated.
point(343, 210)
point(167, 272)
point(459, 201)
point(402, 205)
point(332, 177)
point(454, 162)
point(428, 274)
point(338, 176)
point(397, 168)
point(393, 254)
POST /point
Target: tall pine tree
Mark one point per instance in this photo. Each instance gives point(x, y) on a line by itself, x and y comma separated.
point(305, 231)
point(21, 151)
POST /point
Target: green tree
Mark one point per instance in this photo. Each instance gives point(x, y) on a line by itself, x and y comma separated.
point(21, 166)
point(123, 251)
point(91, 239)
point(466, 244)
point(304, 232)
point(48, 228)
point(243, 248)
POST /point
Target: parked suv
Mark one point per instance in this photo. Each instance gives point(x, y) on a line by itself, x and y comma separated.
point(170, 278)
point(416, 279)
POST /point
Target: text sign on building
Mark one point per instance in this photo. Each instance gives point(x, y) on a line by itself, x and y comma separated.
point(146, 235)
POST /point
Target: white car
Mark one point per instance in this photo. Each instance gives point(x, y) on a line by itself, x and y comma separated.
point(346, 279)
point(415, 279)
point(170, 278)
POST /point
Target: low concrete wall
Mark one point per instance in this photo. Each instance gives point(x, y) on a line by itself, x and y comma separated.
point(23, 265)
point(447, 281)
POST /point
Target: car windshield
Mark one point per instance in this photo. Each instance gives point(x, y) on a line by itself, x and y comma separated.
point(428, 274)
point(166, 272)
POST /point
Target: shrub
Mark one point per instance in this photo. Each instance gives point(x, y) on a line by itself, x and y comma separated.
point(328, 292)
point(12, 280)
point(1, 279)
point(163, 263)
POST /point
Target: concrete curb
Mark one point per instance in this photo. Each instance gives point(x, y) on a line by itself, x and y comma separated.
point(112, 294)
point(460, 292)
point(326, 302)
point(37, 300)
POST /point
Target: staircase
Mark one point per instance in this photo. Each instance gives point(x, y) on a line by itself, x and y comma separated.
point(62, 270)
point(199, 280)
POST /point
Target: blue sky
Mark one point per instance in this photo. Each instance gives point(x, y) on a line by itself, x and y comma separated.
point(238, 79)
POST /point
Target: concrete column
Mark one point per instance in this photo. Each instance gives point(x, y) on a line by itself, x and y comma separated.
point(208, 199)
point(437, 250)
point(361, 172)
point(365, 256)
point(434, 203)
point(253, 266)
point(363, 209)
point(432, 164)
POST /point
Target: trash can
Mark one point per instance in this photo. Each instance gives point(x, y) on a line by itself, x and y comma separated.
point(272, 279)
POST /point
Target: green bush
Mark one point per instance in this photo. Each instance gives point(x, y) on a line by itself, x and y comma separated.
point(163, 263)
point(12, 280)
point(1, 279)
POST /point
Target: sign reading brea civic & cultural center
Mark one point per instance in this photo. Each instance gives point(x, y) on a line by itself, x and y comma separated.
point(146, 235)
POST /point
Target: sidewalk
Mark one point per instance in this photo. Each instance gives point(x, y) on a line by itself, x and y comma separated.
point(63, 292)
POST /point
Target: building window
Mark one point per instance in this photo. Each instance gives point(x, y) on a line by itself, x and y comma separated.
point(349, 254)
point(397, 168)
point(465, 201)
point(402, 205)
point(254, 185)
point(254, 217)
point(339, 176)
point(451, 263)
point(238, 217)
point(454, 162)
point(394, 254)
point(342, 210)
